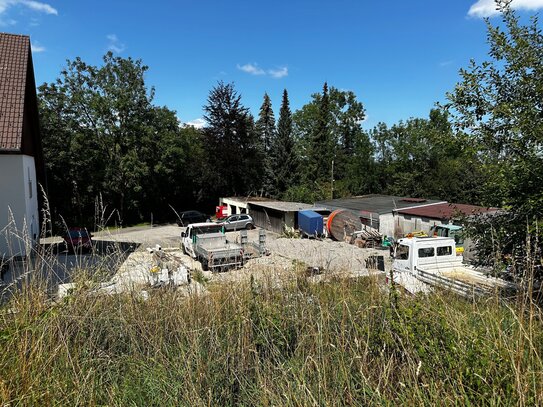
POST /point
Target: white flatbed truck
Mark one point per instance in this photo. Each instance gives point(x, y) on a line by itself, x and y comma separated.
point(207, 243)
point(420, 264)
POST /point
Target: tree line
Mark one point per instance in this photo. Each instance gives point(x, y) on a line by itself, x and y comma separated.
point(111, 151)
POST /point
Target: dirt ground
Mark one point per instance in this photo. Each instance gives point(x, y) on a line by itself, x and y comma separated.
point(325, 258)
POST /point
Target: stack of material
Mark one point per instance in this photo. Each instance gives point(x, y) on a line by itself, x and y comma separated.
point(342, 224)
point(368, 237)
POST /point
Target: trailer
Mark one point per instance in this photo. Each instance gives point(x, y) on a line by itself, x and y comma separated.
point(216, 253)
point(310, 224)
point(421, 264)
point(207, 243)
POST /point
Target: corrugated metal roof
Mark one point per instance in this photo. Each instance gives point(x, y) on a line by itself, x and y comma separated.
point(282, 206)
point(446, 211)
point(378, 204)
point(14, 51)
point(245, 199)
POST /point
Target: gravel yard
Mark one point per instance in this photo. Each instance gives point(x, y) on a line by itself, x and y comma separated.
point(326, 254)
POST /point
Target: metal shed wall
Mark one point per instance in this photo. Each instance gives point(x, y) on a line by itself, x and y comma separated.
point(268, 218)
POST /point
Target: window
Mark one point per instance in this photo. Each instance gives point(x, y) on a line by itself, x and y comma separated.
point(402, 252)
point(243, 217)
point(202, 230)
point(426, 252)
point(29, 183)
point(444, 251)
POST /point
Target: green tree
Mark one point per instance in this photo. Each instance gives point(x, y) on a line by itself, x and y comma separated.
point(321, 149)
point(284, 162)
point(235, 164)
point(426, 158)
point(103, 138)
point(265, 127)
point(329, 129)
point(498, 105)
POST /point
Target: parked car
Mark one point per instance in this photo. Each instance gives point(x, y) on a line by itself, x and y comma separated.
point(237, 222)
point(188, 217)
point(78, 240)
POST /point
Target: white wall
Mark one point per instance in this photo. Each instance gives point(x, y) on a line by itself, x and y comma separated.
point(408, 224)
point(19, 216)
point(230, 203)
point(386, 224)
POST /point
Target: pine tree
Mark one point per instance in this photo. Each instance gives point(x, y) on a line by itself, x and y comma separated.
point(235, 158)
point(322, 147)
point(284, 161)
point(265, 127)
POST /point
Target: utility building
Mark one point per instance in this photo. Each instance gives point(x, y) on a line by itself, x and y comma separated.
point(378, 211)
point(21, 158)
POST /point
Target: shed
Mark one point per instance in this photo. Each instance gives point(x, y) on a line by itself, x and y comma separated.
point(21, 158)
point(275, 215)
point(424, 218)
point(378, 211)
point(236, 204)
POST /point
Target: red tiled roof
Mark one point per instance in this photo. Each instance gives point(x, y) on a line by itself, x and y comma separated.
point(14, 51)
point(445, 210)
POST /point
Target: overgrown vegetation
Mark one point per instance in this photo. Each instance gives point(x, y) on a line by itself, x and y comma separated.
point(340, 343)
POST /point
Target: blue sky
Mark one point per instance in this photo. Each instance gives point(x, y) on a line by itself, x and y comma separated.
point(399, 57)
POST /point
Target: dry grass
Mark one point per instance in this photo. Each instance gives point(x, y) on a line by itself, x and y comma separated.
point(345, 342)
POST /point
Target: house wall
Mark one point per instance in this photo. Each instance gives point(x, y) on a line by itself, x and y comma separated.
point(19, 215)
point(407, 224)
point(233, 206)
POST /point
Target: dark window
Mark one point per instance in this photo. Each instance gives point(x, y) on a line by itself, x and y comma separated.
point(402, 253)
point(426, 252)
point(444, 251)
point(76, 234)
point(201, 230)
point(244, 217)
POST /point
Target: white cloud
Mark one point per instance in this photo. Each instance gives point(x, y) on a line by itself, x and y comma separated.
point(278, 73)
point(114, 44)
point(252, 69)
point(31, 4)
point(36, 47)
point(488, 8)
point(43, 7)
point(197, 123)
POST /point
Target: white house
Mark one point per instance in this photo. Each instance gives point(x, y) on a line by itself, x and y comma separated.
point(21, 158)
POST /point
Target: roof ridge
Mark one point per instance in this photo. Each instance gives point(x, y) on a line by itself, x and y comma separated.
point(15, 35)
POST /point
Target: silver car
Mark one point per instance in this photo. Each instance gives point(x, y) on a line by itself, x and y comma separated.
point(237, 222)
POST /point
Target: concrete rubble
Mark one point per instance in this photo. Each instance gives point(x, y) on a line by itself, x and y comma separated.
point(152, 268)
point(156, 267)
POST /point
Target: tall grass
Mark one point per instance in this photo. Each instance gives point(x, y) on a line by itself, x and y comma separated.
point(345, 342)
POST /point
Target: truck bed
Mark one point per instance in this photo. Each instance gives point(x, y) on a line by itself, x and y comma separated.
point(463, 280)
point(215, 252)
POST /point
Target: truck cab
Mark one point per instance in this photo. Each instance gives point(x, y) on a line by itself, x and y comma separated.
point(452, 231)
point(423, 263)
point(429, 252)
point(188, 237)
